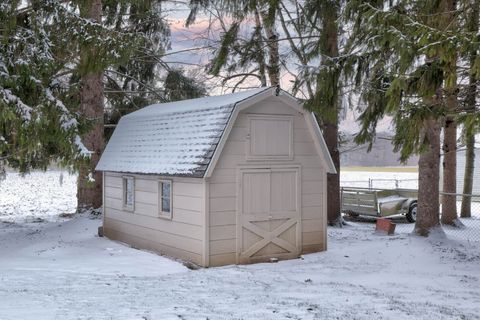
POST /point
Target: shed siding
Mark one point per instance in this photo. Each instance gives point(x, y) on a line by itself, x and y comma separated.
point(182, 236)
point(223, 184)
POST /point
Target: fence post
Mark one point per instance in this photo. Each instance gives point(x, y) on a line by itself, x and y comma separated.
point(396, 183)
point(369, 183)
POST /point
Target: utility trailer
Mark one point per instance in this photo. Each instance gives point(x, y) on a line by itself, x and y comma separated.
point(379, 202)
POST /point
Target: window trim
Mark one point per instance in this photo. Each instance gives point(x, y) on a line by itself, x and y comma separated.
point(248, 145)
point(161, 213)
point(125, 206)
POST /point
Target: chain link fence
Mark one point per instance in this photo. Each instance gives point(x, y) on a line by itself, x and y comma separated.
point(469, 216)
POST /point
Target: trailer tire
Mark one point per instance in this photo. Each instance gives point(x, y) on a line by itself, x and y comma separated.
point(412, 213)
point(351, 214)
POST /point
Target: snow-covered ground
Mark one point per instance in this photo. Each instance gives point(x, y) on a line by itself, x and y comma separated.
point(63, 270)
point(37, 195)
point(387, 180)
point(60, 269)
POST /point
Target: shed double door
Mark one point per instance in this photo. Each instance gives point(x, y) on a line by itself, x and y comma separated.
point(268, 214)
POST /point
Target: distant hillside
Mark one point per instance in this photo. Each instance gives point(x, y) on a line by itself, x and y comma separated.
point(381, 154)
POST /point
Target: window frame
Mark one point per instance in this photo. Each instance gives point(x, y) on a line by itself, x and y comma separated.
point(126, 206)
point(253, 157)
point(161, 213)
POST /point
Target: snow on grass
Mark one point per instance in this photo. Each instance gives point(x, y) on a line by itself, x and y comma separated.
point(406, 180)
point(38, 194)
point(62, 270)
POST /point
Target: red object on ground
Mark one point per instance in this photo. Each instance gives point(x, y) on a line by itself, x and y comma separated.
point(385, 225)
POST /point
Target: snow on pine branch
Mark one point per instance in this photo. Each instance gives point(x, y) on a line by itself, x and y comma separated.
point(68, 122)
point(83, 150)
point(11, 99)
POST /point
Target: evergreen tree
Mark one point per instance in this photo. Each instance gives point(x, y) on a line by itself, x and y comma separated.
point(136, 82)
point(325, 101)
point(144, 78)
point(407, 61)
point(449, 201)
point(245, 51)
point(315, 38)
point(89, 185)
point(180, 87)
point(39, 120)
point(55, 59)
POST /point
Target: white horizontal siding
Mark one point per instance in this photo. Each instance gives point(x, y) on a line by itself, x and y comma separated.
point(185, 230)
point(182, 236)
point(223, 218)
point(138, 239)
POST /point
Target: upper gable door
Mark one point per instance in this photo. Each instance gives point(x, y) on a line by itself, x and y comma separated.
point(268, 216)
point(270, 137)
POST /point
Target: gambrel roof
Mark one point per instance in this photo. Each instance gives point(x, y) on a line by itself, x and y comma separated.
point(178, 138)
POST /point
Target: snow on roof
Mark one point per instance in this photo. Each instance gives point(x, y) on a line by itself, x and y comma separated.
point(175, 138)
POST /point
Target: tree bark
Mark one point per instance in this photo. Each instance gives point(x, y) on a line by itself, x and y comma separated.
point(470, 102)
point(89, 186)
point(449, 202)
point(273, 67)
point(330, 123)
point(466, 210)
point(330, 133)
point(428, 181)
point(260, 55)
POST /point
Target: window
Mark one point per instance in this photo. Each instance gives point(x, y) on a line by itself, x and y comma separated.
point(128, 193)
point(165, 198)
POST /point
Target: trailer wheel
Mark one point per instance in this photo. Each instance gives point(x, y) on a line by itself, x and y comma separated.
point(412, 213)
point(352, 214)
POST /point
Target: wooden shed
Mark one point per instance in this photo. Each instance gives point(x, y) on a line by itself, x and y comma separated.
point(237, 178)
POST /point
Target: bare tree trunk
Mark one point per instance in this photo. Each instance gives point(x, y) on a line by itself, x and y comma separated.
point(428, 181)
point(89, 187)
point(449, 202)
point(466, 210)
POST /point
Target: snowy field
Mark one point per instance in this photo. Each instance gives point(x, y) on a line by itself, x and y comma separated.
point(60, 269)
point(406, 180)
point(38, 195)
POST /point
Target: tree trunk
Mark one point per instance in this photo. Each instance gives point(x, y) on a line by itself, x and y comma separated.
point(330, 133)
point(330, 123)
point(449, 202)
point(260, 55)
point(89, 187)
point(273, 67)
point(428, 181)
point(469, 132)
point(466, 210)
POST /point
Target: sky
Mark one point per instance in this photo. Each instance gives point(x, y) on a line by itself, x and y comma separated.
point(191, 50)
